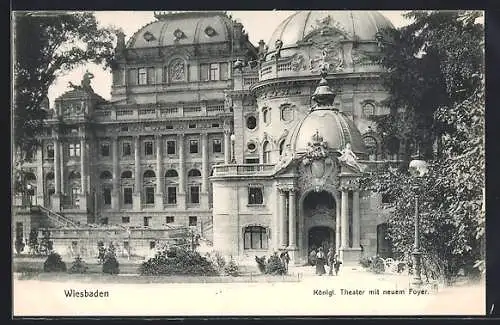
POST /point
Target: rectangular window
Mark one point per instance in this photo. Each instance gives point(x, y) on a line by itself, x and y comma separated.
point(194, 192)
point(147, 221)
point(193, 221)
point(132, 77)
point(217, 145)
point(252, 161)
point(215, 125)
point(127, 195)
point(171, 195)
point(74, 150)
point(148, 148)
point(50, 151)
point(143, 76)
point(214, 71)
point(204, 76)
point(105, 149)
point(150, 195)
point(224, 68)
point(106, 195)
point(151, 76)
point(193, 146)
point(126, 149)
point(171, 147)
point(75, 200)
point(125, 219)
point(192, 126)
point(169, 219)
point(255, 195)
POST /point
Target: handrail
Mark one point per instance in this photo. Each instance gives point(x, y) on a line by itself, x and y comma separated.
point(58, 217)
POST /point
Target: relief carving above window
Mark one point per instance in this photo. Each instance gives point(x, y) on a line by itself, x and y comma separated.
point(177, 70)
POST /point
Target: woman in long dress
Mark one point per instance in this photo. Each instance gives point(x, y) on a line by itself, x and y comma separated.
point(320, 262)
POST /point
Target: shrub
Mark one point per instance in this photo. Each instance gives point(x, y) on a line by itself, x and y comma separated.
point(232, 268)
point(275, 266)
point(78, 266)
point(178, 261)
point(110, 265)
point(54, 263)
point(261, 263)
point(365, 262)
point(377, 266)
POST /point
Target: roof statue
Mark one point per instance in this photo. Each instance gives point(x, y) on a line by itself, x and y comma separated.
point(85, 83)
point(348, 157)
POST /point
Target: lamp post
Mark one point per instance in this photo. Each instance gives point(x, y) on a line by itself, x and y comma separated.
point(418, 169)
point(28, 194)
point(233, 159)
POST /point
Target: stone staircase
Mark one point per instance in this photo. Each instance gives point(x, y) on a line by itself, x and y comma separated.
point(57, 218)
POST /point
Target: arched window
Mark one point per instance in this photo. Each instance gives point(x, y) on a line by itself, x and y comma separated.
point(372, 147)
point(74, 175)
point(194, 173)
point(127, 174)
point(177, 70)
point(50, 151)
point(282, 146)
point(368, 110)
point(266, 115)
point(286, 112)
point(29, 176)
point(149, 174)
point(255, 237)
point(171, 173)
point(105, 175)
point(266, 149)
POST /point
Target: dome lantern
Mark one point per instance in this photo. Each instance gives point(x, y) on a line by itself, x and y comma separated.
point(323, 95)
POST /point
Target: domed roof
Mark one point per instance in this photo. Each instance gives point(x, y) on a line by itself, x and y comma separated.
point(183, 28)
point(361, 25)
point(325, 124)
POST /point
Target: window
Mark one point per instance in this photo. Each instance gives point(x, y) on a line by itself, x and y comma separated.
point(74, 150)
point(251, 146)
point(214, 71)
point(147, 222)
point(177, 70)
point(105, 149)
point(224, 71)
point(127, 195)
point(192, 126)
point(148, 148)
point(255, 194)
point(204, 76)
point(149, 174)
point(194, 194)
point(193, 146)
point(106, 195)
point(171, 195)
point(267, 153)
point(265, 116)
point(282, 146)
point(251, 122)
point(368, 110)
point(193, 221)
point(171, 173)
point(171, 147)
point(194, 173)
point(152, 244)
point(75, 200)
point(169, 219)
point(106, 175)
point(252, 161)
point(126, 149)
point(127, 174)
point(143, 76)
point(255, 237)
point(150, 195)
point(50, 151)
point(217, 145)
point(286, 113)
point(215, 125)
point(125, 219)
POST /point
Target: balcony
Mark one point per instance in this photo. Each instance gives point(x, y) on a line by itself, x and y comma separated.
point(244, 170)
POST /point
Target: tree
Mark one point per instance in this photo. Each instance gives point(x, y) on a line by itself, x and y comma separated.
point(44, 47)
point(451, 196)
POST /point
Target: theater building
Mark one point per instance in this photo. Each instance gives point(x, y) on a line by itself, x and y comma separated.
point(256, 148)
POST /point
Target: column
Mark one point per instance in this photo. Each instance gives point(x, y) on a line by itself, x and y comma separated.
point(355, 220)
point(282, 219)
point(40, 181)
point(56, 198)
point(181, 199)
point(227, 146)
point(83, 172)
point(115, 194)
point(138, 185)
point(61, 167)
point(344, 220)
point(159, 173)
point(292, 220)
point(204, 163)
point(338, 236)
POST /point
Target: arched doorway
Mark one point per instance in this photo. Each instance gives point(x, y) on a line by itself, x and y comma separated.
point(321, 236)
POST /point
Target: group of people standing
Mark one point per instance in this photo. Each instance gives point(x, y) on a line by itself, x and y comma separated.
point(319, 259)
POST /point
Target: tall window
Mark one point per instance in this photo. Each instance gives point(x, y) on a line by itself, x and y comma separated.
point(147, 221)
point(127, 195)
point(74, 150)
point(255, 237)
point(368, 110)
point(169, 219)
point(177, 70)
point(148, 148)
point(255, 194)
point(171, 195)
point(282, 146)
point(50, 151)
point(193, 146)
point(150, 195)
point(75, 200)
point(204, 76)
point(171, 147)
point(106, 195)
point(105, 149)
point(267, 153)
point(286, 112)
point(193, 221)
point(265, 116)
point(126, 149)
point(214, 71)
point(217, 145)
point(194, 194)
point(143, 76)
point(224, 69)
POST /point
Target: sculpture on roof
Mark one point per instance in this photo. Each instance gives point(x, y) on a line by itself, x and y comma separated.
point(85, 83)
point(348, 157)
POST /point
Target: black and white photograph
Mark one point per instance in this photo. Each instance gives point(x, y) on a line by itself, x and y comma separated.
point(248, 163)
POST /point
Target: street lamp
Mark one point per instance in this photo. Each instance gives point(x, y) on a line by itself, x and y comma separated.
point(418, 169)
point(233, 159)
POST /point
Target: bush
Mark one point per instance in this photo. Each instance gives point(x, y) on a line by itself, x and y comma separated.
point(78, 266)
point(54, 263)
point(261, 263)
point(110, 265)
point(365, 262)
point(231, 268)
point(178, 261)
point(273, 265)
point(377, 266)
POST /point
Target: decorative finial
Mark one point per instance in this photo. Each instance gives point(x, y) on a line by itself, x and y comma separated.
point(323, 95)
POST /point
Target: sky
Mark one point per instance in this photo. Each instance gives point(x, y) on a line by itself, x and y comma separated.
point(132, 21)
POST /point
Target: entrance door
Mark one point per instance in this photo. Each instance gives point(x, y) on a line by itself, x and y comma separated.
point(321, 236)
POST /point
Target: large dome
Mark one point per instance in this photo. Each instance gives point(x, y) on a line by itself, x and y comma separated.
point(183, 28)
point(360, 25)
